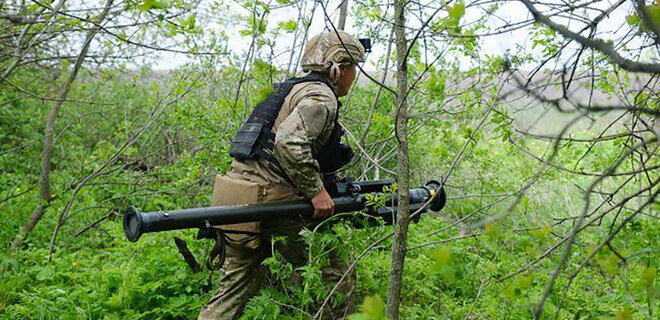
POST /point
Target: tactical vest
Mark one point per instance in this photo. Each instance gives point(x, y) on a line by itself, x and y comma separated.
point(255, 139)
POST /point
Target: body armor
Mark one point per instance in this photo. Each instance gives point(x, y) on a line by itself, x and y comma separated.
point(255, 139)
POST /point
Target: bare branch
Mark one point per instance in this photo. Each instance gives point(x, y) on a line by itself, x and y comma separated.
point(595, 44)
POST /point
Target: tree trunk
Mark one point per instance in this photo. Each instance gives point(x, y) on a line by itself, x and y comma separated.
point(401, 117)
point(47, 152)
point(343, 11)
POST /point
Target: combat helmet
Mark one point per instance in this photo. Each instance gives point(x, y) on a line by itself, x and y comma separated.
point(328, 50)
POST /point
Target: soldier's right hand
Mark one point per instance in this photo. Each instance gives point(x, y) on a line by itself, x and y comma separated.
point(323, 205)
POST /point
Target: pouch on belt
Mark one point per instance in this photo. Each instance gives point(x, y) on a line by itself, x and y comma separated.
point(230, 192)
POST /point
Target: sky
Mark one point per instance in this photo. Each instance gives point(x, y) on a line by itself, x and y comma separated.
point(496, 45)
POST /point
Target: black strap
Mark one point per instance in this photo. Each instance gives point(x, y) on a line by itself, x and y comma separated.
point(266, 111)
point(219, 250)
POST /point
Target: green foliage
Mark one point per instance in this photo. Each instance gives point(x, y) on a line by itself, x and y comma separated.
point(486, 272)
point(151, 4)
point(378, 200)
point(373, 308)
point(648, 283)
point(456, 11)
point(451, 23)
point(624, 314)
point(652, 14)
point(436, 84)
point(546, 39)
point(288, 26)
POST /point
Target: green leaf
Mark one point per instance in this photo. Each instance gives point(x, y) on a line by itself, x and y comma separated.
point(44, 274)
point(373, 308)
point(151, 4)
point(467, 131)
point(653, 13)
point(456, 11)
point(541, 234)
point(523, 282)
point(624, 314)
point(491, 229)
point(264, 93)
point(189, 23)
point(632, 19)
point(288, 26)
point(609, 262)
point(647, 281)
point(648, 276)
point(441, 256)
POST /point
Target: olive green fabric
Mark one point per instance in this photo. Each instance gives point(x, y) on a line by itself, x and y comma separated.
point(301, 129)
point(242, 275)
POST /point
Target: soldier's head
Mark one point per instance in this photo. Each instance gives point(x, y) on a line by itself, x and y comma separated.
point(335, 54)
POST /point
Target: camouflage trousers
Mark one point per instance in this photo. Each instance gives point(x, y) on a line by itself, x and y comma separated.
point(248, 244)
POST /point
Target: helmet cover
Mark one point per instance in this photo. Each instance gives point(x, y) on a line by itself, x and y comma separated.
point(331, 48)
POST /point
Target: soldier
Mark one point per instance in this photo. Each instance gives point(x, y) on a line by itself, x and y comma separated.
point(289, 167)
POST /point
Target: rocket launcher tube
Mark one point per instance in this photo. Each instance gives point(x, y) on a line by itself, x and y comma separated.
point(137, 223)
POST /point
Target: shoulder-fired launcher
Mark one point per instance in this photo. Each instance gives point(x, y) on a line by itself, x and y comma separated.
point(348, 196)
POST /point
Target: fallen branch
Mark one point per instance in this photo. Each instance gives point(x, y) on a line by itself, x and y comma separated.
point(187, 255)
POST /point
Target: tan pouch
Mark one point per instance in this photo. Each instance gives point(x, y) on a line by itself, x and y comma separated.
point(230, 192)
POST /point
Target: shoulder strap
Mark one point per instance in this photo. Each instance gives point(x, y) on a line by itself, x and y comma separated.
point(255, 138)
point(266, 111)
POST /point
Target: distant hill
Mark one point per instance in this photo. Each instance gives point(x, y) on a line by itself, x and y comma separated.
point(535, 117)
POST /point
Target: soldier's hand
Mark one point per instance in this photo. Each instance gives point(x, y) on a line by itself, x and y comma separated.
point(323, 205)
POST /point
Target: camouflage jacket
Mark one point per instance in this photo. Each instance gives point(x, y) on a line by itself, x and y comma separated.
point(301, 129)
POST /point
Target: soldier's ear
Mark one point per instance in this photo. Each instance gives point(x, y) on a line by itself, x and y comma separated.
point(345, 67)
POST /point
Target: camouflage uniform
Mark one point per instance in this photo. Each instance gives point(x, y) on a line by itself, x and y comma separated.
point(302, 128)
